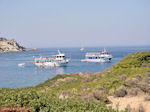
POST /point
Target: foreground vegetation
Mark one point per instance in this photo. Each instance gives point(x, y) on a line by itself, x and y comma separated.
point(83, 92)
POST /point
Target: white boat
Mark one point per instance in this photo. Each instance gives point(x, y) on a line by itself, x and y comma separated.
point(58, 60)
point(21, 64)
point(104, 56)
point(82, 49)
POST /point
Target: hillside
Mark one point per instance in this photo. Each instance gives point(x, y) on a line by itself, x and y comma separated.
point(10, 46)
point(125, 86)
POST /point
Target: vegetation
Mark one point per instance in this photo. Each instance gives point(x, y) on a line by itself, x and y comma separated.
point(79, 92)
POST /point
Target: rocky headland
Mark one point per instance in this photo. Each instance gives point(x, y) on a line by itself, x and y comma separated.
point(10, 46)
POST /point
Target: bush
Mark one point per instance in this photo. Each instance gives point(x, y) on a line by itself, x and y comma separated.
point(122, 77)
point(47, 103)
point(121, 92)
point(100, 95)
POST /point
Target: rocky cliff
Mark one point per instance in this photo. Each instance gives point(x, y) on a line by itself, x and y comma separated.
point(10, 46)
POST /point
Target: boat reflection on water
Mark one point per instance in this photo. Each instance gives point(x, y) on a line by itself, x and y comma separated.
point(51, 70)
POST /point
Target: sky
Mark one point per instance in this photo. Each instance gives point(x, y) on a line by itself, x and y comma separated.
point(75, 23)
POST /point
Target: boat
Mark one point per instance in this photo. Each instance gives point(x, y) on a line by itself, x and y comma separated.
point(58, 60)
point(82, 49)
point(104, 56)
point(21, 64)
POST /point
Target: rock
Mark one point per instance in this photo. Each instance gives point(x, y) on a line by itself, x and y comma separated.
point(63, 94)
point(80, 74)
point(87, 79)
point(145, 87)
point(132, 82)
point(147, 98)
point(120, 92)
point(10, 46)
point(67, 79)
point(147, 78)
point(145, 65)
point(97, 75)
point(133, 92)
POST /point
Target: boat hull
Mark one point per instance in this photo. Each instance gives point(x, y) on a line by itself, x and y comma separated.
point(52, 64)
point(97, 60)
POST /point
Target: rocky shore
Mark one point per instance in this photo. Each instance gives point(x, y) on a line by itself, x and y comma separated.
point(10, 46)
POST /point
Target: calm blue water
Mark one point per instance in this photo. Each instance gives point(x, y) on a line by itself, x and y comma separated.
point(12, 76)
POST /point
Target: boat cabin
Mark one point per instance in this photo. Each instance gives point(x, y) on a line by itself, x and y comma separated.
point(60, 57)
point(92, 56)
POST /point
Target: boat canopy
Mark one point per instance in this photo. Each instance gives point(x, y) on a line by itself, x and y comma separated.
point(43, 59)
point(92, 54)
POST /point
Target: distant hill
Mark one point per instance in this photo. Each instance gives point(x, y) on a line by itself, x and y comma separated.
point(10, 46)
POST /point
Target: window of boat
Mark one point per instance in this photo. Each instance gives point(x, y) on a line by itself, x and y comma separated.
point(90, 57)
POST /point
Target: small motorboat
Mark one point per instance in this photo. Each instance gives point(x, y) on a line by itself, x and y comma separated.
point(21, 64)
point(81, 49)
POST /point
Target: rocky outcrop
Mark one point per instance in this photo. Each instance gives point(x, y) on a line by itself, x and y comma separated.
point(10, 46)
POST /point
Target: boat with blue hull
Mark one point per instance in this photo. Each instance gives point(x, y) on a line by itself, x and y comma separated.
point(104, 56)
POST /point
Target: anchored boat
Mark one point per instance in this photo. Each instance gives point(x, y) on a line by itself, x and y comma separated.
point(104, 56)
point(82, 49)
point(58, 60)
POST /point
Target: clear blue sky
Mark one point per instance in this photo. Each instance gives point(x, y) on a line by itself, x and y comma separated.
point(70, 23)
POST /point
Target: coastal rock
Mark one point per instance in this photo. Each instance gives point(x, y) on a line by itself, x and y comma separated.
point(10, 46)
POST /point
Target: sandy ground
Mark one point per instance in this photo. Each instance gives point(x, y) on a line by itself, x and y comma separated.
point(133, 101)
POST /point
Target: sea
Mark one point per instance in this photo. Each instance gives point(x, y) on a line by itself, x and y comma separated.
point(13, 76)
